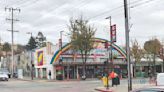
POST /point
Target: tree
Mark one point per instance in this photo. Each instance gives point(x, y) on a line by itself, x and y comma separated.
point(41, 40)
point(153, 47)
point(31, 44)
point(81, 37)
point(6, 47)
point(20, 49)
point(137, 54)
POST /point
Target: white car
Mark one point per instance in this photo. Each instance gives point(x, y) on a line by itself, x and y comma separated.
point(160, 79)
point(150, 89)
point(3, 76)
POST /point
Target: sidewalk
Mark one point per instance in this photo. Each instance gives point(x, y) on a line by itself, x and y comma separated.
point(123, 87)
point(34, 79)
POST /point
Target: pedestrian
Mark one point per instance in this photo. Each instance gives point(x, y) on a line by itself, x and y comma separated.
point(49, 74)
point(115, 78)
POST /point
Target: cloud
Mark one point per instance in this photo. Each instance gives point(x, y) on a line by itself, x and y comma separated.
point(52, 16)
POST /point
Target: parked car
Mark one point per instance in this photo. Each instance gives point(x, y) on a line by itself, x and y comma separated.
point(160, 79)
point(150, 89)
point(6, 71)
point(3, 76)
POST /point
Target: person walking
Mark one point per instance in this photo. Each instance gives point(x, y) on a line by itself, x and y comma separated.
point(49, 74)
point(115, 78)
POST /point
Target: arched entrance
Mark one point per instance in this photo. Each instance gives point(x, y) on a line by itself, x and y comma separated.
point(55, 57)
point(74, 68)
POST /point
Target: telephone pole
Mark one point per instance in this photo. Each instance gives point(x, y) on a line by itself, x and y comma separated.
point(12, 10)
point(127, 45)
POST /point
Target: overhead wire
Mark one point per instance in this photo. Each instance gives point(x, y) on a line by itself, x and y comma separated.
point(119, 7)
point(29, 3)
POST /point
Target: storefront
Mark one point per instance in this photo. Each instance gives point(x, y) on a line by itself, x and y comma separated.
point(72, 64)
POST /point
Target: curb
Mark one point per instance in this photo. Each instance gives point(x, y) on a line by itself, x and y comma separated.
point(37, 80)
point(103, 90)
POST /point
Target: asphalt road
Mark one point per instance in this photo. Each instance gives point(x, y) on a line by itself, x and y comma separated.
point(62, 86)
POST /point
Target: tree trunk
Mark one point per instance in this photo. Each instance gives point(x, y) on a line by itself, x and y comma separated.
point(135, 69)
point(84, 68)
point(154, 66)
point(84, 72)
point(163, 64)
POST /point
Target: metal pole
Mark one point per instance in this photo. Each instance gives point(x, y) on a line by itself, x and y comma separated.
point(110, 54)
point(61, 43)
point(111, 42)
point(163, 57)
point(31, 58)
point(61, 40)
point(31, 63)
point(12, 38)
point(127, 45)
point(61, 50)
point(31, 67)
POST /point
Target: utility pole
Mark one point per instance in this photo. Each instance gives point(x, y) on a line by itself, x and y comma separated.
point(12, 33)
point(31, 59)
point(127, 45)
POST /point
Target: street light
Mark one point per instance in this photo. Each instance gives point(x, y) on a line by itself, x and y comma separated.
point(110, 55)
point(61, 60)
point(31, 59)
point(111, 42)
point(61, 43)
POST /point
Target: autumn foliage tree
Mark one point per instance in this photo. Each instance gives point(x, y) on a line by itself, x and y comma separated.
point(152, 47)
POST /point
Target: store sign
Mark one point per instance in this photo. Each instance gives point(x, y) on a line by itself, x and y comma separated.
point(113, 33)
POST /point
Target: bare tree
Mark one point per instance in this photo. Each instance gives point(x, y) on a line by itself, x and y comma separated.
point(81, 37)
point(137, 54)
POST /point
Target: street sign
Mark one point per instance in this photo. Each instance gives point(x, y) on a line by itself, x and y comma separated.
point(113, 33)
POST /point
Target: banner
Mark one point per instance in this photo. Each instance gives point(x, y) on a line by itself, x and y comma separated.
point(113, 33)
point(40, 58)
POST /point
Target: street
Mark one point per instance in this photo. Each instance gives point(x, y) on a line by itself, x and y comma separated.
point(62, 86)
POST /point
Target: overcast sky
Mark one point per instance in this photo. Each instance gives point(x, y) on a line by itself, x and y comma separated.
point(52, 16)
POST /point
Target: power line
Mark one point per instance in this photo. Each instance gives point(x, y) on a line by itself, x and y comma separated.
point(142, 3)
point(29, 3)
point(119, 7)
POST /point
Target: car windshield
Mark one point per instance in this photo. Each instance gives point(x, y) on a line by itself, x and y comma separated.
point(1, 72)
point(4, 70)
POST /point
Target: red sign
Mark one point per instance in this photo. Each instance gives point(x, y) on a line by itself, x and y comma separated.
point(113, 33)
point(59, 67)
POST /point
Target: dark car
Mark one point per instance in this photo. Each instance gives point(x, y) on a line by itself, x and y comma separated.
point(150, 89)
